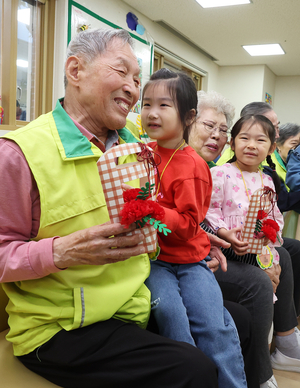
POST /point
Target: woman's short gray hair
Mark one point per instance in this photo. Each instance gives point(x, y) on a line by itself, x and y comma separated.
point(214, 100)
point(89, 44)
point(286, 131)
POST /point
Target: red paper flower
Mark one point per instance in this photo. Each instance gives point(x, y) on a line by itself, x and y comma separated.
point(136, 210)
point(273, 224)
point(266, 228)
point(269, 232)
point(140, 208)
point(157, 211)
point(261, 215)
point(131, 194)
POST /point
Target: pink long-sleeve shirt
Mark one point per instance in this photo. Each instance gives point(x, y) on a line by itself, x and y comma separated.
point(20, 258)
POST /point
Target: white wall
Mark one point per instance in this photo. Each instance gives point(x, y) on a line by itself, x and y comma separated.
point(240, 84)
point(60, 47)
point(115, 11)
point(287, 99)
point(269, 84)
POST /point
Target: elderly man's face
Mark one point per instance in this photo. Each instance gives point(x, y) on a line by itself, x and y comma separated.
point(272, 116)
point(110, 86)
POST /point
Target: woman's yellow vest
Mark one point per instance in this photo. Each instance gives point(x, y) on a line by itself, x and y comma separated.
point(63, 163)
point(280, 167)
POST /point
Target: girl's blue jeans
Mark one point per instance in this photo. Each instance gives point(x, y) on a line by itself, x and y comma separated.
point(188, 306)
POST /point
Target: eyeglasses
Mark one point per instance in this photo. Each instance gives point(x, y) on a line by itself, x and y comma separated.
point(209, 127)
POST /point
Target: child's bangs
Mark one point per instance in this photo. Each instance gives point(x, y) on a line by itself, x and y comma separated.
point(169, 84)
point(267, 127)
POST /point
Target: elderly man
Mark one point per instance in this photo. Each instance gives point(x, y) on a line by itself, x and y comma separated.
point(77, 299)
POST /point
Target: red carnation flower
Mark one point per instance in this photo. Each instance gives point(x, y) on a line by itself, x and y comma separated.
point(261, 215)
point(269, 232)
point(271, 223)
point(133, 211)
point(157, 211)
point(131, 194)
point(136, 210)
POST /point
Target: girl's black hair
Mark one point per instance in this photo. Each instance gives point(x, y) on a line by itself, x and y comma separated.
point(269, 130)
point(183, 92)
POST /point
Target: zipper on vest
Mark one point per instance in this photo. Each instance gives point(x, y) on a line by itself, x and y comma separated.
point(82, 306)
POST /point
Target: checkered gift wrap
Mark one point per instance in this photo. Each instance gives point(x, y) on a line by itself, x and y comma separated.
point(112, 176)
point(257, 202)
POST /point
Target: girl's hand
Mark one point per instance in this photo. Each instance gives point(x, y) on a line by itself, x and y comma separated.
point(126, 187)
point(274, 273)
point(239, 247)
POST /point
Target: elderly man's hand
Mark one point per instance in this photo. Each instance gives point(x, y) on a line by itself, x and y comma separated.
point(95, 246)
point(213, 264)
point(216, 254)
point(274, 273)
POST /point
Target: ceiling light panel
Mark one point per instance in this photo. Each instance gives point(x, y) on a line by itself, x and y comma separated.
point(221, 3)
point(264, 49)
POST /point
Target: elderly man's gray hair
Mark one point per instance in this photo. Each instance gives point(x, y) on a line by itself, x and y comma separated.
point(89, 44)
point(256, 108)
point(214, 100)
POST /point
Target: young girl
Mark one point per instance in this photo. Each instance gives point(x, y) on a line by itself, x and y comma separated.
point(186, 299)
point(253, 141)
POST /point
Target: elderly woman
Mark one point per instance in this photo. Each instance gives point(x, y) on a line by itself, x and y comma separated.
point(245, 283)
point(293, 170)
point(289, 138)
point(215, 117)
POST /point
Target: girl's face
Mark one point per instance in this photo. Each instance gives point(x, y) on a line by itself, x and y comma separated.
point(287, 145)
point(251, 146)
point(209, 144)
point(160, 118)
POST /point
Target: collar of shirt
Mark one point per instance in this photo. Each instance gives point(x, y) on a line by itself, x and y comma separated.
point(112, 137)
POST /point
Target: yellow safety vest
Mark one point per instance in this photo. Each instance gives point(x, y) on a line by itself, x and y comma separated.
point(71, 199)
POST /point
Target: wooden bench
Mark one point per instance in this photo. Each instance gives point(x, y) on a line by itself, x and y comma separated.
point(13, 374)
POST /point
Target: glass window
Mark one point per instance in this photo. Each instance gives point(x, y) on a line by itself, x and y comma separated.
point(27, 34)
point(26, 74)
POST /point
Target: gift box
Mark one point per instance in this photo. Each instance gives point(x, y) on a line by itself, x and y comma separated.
point(113, 176)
